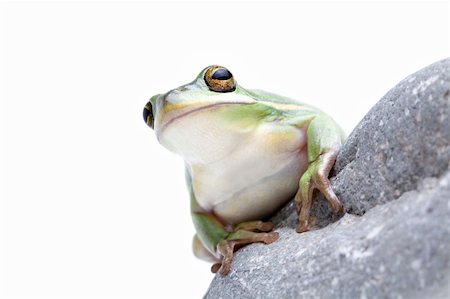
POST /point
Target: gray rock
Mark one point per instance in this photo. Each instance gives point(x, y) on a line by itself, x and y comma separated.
point(404, 138)
point(382, 248)
point(397, 250)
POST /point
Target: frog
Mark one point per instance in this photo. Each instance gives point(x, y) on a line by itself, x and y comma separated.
point(247, 153)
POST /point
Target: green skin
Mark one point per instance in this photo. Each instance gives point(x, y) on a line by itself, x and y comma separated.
point(263, 120)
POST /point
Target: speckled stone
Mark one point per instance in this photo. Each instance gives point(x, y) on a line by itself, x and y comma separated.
point(404, 138)
point(393, 176)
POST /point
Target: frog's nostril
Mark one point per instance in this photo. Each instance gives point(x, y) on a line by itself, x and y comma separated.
point(148, 115)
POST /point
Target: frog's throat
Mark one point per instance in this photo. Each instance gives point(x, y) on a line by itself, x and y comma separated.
point(196, 110)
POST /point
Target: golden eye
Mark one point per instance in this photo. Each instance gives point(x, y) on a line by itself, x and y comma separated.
point(219, 79)
point(148, 114)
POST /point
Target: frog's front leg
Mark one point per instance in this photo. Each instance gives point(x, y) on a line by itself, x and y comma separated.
point(324, 139)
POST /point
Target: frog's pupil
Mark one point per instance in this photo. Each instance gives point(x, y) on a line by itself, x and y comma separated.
point(221, 74)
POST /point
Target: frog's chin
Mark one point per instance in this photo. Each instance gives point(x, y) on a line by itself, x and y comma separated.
point(179, 115)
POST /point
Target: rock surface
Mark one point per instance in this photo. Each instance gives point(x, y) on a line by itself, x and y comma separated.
point(393, 176)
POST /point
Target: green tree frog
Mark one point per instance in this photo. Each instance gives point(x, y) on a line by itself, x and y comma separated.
point(247, 153)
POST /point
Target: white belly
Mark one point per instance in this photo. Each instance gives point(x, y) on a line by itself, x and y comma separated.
point(256, 178)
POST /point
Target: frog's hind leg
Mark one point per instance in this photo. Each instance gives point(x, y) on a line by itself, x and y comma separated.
point(234, 241)
point(216, 241)
point(224, 243)
point(254, 226)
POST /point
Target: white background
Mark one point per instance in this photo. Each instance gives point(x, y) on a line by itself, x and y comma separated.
point(92, 206)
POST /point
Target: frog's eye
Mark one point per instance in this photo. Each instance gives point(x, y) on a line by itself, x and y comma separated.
point(219, 79)
point(148, 115)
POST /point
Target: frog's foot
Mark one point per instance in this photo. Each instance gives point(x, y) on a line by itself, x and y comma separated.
point(255, 226)
point(234, 241)
point(316, 177)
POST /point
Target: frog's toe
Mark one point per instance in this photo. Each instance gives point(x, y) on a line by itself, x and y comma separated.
point(225, 268)
point(306, 225)
point(216, 267)
point(324, 186)
point(270, 237)
point(303, 226)
point(336, 205)
point(221, 268)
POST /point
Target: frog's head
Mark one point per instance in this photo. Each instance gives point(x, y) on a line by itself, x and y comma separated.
point(194, 110)
point(214, 85)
